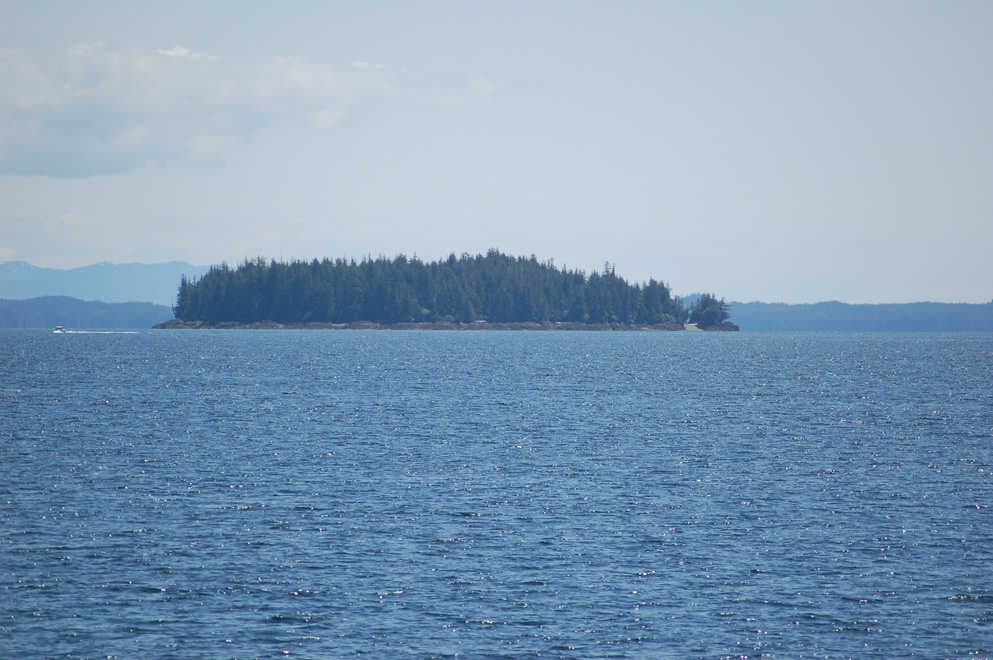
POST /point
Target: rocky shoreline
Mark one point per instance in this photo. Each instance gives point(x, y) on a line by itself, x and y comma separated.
point(176, 324)
point(724, 326)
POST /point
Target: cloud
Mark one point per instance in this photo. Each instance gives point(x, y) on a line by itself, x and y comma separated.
point(78, 219)
point(101, 109)
point(180, 51)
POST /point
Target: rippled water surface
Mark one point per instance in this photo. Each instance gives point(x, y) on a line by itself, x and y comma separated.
point(321, 494)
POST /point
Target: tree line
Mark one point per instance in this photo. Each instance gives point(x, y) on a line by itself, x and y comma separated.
point(837, 316)
point(50, 311)
point(494, 287)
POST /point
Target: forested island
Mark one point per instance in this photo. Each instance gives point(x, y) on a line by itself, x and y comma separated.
point(495, 289)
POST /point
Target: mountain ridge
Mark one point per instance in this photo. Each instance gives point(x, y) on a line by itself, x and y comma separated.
point(102, 282)
point(835, 316)
point(50, 311)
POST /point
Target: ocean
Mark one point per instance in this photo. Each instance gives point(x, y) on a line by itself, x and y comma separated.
point(415, 495)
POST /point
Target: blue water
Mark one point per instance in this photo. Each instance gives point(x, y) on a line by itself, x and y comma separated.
point(331, 494)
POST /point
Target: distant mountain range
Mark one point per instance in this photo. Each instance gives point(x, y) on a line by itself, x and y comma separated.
point(842, 317)
point(33, 297)
point(105, 282)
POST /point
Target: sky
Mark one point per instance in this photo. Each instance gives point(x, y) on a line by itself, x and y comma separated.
point(763, 151)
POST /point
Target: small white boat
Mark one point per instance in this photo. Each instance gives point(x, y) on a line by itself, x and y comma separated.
point(59, 328)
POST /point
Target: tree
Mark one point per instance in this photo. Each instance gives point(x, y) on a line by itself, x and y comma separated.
point(709, 311)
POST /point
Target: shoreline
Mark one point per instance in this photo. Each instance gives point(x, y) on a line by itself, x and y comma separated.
point(176, 324)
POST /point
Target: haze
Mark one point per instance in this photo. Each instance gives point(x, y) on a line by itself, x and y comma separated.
point(790, 152)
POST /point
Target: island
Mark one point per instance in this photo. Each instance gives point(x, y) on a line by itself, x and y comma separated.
point(470, 292)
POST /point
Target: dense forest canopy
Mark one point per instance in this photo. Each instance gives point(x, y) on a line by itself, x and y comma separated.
point(493, 287)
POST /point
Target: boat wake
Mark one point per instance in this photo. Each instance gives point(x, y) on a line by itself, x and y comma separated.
point(59, 331)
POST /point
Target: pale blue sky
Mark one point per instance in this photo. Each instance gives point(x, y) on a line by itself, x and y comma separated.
point(775, 151)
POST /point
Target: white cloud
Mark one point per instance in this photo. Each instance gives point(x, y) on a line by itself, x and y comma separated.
point(101, 109)
point(481, 88)
point(77, 218)
point(180, 51)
